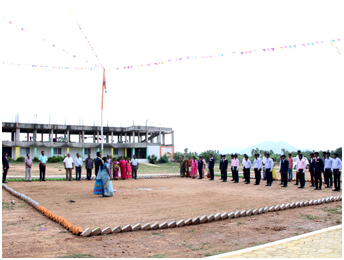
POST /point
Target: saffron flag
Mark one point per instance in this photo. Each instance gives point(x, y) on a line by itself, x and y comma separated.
point(104, 82)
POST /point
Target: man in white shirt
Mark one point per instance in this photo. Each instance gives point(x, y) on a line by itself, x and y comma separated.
point(269, 164)
point(263, 161)
point(328, 170)
point(78, 166)
point(247, 170)
point(232, 156)
point(235, 166)
point(243, 165)
point(257, 165)
point(336, 168)
point(68, 164)
point(134, 167)
point(301, 168)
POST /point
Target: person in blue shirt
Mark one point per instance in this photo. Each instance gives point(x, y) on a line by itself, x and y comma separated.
point(42, 166)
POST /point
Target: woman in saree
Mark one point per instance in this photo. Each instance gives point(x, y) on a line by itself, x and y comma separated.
point(194, 165)
point(123, 166)
point(204, 167)
point(188, 167)
point(103, 185)
point(128, 168)
point(115, 168)
point(109, 161)
point(274, 175)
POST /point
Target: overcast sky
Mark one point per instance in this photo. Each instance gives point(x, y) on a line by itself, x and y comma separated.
point(231, 101)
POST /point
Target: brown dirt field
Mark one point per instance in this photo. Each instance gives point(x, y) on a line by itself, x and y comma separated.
point(169, 199)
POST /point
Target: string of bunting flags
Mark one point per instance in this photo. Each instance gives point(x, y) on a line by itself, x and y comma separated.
point(265, 50)
point(14, 25)
point(49, 66)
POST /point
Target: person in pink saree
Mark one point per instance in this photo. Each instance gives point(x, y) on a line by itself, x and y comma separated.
point(123, 166)
point(194, 164)
point(129, 168)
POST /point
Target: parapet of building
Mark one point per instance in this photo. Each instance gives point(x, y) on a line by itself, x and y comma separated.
point(141, 141)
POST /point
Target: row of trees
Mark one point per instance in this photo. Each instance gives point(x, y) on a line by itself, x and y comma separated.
point(276, 157)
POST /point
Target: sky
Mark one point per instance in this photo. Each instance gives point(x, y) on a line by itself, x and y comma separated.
point(231, 101)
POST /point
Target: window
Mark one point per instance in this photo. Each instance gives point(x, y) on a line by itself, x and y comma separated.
point(57, 151)
point(115, 151)
point(24, 151)
point(87, 151)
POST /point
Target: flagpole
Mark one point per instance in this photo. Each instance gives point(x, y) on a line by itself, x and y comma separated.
point(101, 120)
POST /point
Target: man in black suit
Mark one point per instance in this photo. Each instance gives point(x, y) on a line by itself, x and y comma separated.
point(224, 168)
point(318, 169)
point(311, 168)
point(5, 167)
point(97, 164)
point(200, 167)
point(284, 170)
point(211, 167)
point(220, 167)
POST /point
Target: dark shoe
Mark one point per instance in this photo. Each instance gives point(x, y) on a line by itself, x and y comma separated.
point(296, 184)
point(247, 183)
point(40, 180)
point(335, 190)
point(301, 187)
point(43, 180)
point(330, 186)
point(211, 179)
point(327, 187)
point(255, 184)
point(224, 181)
point(236, 182)
point(5, 182)
point(281, 183)
point(284, 186)
point(267, 185)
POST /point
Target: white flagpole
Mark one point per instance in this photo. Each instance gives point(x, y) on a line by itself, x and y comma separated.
point(101, 127)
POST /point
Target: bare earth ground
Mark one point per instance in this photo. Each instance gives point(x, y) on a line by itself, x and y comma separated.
point(168, 200)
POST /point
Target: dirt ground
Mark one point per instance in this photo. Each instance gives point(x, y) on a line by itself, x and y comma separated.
point(26, 232)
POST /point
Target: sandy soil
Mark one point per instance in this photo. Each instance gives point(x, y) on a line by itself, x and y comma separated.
point(168, 199)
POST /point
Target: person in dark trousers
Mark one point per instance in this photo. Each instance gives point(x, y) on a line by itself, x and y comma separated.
point(89, 166)
point(42, 166)
point(269, 164)
point(257, 165)
point(97, 164)
point(318, 170)
point(220, 166)
point(232, 158)
point(211, 167)
point(301, 168)
point(135, 166)
point(337, 168)
point(328, 170)
point(284, 171)
point(311, 169)
point(224, 168)
point(235, 167)
point(297, 165)
point(5, 166)
point(200, 167)
point(247, 170)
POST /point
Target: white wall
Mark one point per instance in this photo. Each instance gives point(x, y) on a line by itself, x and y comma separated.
point(154, 150)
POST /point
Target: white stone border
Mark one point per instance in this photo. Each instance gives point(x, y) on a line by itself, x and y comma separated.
point(241, 251)
point(21, 196)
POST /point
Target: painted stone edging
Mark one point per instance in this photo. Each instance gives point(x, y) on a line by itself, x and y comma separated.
point(62, 221)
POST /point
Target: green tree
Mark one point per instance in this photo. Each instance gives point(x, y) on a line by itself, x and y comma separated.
point(186, 150)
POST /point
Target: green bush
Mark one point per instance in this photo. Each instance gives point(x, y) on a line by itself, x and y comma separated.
point(35, 159)
point(52, 159)
point(152, 159)
point(164, 159)
point(60, 158)
point(10, 159)
point(20, 159)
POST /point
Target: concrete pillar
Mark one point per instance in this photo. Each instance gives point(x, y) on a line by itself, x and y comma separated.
point(51, 152)
point(163, 139)
point(97, 149)
point(159, 136)
point(125, 152)
point(133, 141)
point(42, 137)
point(17, 152)
point(111, 152)
point(34, 135)
point(147, 152)
point(129, 139)
point(13, 137)
point(51, 135)
point(133, 153)
point(17, 135)
point(147, 136)
point(107, 138)
point(98, 137)
point(68, 136)
point(56, 136)
point(172, 137)
point(35, 152)
point(83, 153)
point(111, 137)
point(27, 137)
point(83, 138)
point(125, 137)
point(67, 150)
point(94, 138)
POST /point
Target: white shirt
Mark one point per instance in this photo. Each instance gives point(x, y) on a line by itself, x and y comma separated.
point(134, 162)
point(328, 163)
point(257, 163)
point(301, 164)
point(263, 161)
point(248, 164)
point(235, 163)
point(243, 162)
point(69, 162)
point(337, 164)
point(269, 164)
point(78, 161)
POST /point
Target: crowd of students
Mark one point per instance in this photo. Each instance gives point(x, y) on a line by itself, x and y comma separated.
point(329, 168)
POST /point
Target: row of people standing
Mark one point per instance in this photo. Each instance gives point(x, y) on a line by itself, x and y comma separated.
point(189, 167)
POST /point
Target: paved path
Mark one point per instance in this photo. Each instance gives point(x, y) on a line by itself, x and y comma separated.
point(324, 243)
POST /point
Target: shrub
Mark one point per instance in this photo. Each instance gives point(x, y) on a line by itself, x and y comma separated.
point(52, 159)
point(35, 159)
point(20, 159)
point(164, 159)
point(152, 159)
point(59, 158)
point(10, 159)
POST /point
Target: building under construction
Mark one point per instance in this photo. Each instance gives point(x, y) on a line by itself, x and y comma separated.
point(58, 140)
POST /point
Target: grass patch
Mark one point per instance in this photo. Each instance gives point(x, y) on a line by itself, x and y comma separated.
point(216, 252)
point(310, 217)
point(239, 223)
point(338, 221)
point(39, 225)
point(158, 234)
point(157, 256)
point(6, 205)
point(336, 210)
point(78, 256)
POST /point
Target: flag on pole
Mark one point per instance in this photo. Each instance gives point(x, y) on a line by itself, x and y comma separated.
point(104, 82)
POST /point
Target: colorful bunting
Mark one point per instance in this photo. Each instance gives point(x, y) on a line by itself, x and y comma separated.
point(49, 67)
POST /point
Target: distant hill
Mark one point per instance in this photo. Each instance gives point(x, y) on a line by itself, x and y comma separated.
point(268, 145)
